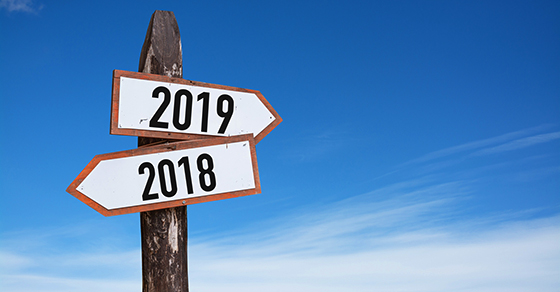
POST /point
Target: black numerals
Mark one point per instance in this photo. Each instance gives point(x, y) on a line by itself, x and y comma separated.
point(226, 115)
point(172, 179)
point(183, 107)
point(205, 97)
point(206, 172)
point(187, 109)
point(168, 179)
point(151, 174)
point(187, 169)
point(154, 121)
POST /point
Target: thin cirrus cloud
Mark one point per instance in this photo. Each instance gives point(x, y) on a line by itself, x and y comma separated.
point(20, 6)
point(454, 159)
point(519, 143)
point(502, 260)
point(505, 138)
point(33, 282)
point(391, 245)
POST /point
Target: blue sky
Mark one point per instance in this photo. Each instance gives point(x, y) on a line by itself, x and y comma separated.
point(419, 149)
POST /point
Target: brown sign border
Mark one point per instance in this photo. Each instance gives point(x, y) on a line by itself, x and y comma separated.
point(115, 130)
point(72, 189)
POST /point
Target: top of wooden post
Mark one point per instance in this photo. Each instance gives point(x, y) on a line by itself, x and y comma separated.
point(161, 53)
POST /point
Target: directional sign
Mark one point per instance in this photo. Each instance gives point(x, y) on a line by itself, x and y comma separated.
point(163, 107)
point(169, 175)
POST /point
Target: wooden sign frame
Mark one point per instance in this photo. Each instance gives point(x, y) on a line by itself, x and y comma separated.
point(115, 130)
point(72, 189)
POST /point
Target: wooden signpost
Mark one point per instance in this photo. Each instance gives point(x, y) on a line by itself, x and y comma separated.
point(196, 144)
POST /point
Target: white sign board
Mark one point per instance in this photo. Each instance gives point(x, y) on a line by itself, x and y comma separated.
point(158, 106)
point(169, 175)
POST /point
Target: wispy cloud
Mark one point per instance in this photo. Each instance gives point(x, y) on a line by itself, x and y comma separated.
point(478, 144)
point(404, 244)
point(512, 258)
point(37, 283)
point(42, 260)
point(480, 156)
point(313, 146)
point(519, 143)
point(20, 6)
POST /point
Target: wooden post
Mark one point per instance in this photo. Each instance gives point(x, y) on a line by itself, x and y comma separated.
point(164, 232)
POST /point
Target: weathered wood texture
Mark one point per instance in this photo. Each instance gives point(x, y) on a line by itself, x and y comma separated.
point(161, 53)
point(164, 250)
point(164, 232)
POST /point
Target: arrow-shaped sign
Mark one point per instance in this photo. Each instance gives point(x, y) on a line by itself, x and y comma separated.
point(169, 175)
point(158, 106)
